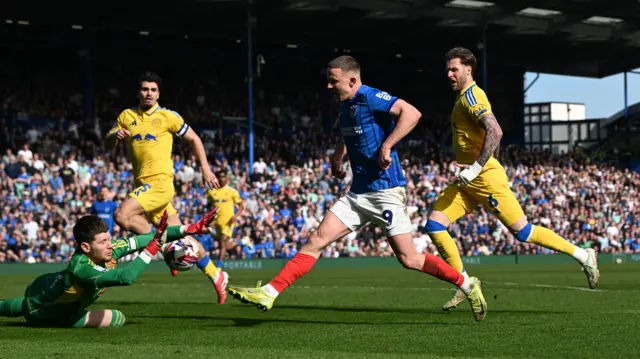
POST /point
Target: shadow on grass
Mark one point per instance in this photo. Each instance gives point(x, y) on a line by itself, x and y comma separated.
point(463, 309)
point(25, 325)
point(251, 322)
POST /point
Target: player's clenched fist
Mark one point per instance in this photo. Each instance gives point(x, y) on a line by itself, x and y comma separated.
point(384, 159)
point(122, 134)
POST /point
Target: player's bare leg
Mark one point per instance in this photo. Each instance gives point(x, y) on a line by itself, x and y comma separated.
point(588, 258)
point(219, 278)
point(223, 239)
point(131, 216)
point(437, 229)
point(410, 258)
point(330, 230)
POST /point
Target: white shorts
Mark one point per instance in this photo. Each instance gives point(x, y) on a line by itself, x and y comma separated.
point(386, 208)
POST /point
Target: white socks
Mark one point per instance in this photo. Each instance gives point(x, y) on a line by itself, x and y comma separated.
point(466, 285)
point(270, 290)
point(581, 255)
point(464, 273)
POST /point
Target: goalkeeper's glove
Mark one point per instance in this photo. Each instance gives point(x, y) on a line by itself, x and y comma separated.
point(201, 227)
point(160, 238)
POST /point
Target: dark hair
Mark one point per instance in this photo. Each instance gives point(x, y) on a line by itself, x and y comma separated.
point(466, 57)
point(345, 63)
point(87, 227)
point(221, 174)
point(151, 77)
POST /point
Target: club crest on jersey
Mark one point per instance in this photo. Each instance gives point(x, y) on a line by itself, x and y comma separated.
point(353, 111)
point(156, 122)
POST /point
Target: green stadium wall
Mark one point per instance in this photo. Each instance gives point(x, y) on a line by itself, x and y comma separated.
point(368, 262)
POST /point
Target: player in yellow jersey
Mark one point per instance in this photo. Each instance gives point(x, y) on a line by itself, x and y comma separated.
point(225, 198)
point(148, 129)
point(482, 179)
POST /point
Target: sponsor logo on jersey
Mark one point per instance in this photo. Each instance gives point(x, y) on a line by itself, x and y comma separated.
point(146, 137)
point(351, 131)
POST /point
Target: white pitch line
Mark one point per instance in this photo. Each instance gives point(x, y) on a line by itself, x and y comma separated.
point(448, 289)
point(584, 289)
point(367, 288)
point(567, 287)
point(323, 287)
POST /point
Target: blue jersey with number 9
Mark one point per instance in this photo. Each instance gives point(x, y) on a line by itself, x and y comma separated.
point(365, 122)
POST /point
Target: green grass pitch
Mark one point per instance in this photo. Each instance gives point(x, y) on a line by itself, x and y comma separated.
point(535, 311)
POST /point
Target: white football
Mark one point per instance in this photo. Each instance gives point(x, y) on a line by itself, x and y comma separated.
point(181, 255)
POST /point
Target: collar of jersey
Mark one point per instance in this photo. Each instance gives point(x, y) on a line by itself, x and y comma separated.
point(151, 110)
point(473, 83)
point(355, 96)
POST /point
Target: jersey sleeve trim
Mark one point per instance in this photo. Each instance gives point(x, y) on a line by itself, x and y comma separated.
point(183, 130)
point(145, 257)
point(133, 245)
point(470, 97)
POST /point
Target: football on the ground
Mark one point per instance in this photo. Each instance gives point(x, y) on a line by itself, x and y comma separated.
point(181, 255)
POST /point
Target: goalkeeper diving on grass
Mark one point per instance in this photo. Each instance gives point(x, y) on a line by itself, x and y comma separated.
point(61, 299)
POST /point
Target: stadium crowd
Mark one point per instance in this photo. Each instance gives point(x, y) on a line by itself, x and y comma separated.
point(54, 171)
point(49, 177)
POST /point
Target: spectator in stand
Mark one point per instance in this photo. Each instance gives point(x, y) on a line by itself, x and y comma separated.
point(51, 175)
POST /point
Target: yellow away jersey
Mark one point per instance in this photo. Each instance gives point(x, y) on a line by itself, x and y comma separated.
point(224, 198)
point(468, 137)
point(151, 140)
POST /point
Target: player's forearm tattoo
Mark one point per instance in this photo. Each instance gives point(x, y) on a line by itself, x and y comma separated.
point(493, 134)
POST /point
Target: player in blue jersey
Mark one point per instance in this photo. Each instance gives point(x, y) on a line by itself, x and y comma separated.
point(372, 122)
point(104, 208)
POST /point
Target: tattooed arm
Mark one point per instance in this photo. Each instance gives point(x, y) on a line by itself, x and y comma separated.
point(491, 144)
point(493, 134)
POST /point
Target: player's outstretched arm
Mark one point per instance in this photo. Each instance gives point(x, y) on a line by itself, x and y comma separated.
point(198, 149)
point(125, 246)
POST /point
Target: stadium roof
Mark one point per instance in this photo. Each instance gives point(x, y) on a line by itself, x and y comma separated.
point(594, 38)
